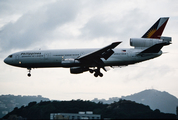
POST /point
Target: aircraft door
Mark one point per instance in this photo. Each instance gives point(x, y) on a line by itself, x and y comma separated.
point(17, 57)
point(46, 56)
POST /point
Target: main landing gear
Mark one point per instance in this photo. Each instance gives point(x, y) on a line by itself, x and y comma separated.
point(29, 70)
point(96, 72)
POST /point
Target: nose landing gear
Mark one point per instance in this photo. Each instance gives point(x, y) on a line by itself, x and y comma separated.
point(29, 70)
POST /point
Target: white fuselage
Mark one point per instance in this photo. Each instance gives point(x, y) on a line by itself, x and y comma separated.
point(63, 57)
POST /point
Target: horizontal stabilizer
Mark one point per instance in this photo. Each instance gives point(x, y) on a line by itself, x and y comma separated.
point(153, 49)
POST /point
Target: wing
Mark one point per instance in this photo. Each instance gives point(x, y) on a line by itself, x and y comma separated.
point(94, 58)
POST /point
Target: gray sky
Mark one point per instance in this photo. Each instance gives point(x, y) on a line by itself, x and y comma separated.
point(62, 24)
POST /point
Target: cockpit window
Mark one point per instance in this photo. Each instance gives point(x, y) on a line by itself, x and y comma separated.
point(10, 56)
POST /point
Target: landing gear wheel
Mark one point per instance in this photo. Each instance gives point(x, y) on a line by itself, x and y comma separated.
point(96, 75)
point(29, 74)
point(29, 70)
point(91, 71)
point(101, 74)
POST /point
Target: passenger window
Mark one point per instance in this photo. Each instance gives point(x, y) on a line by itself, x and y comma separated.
point(10, 56)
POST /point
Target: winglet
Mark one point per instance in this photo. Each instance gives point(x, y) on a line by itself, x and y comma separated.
point(157, 29)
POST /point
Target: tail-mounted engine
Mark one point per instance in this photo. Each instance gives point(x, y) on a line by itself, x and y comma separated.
point(148, 42)
point(167, 40)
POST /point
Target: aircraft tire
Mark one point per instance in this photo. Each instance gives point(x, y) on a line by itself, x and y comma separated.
point(91, 71)
point(29, 75)
point(96, 75)
point(101, 74)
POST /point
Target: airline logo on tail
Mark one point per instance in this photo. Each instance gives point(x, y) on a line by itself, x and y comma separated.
point(157, 29)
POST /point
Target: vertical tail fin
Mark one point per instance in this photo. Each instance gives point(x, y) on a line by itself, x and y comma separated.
point(157, 29)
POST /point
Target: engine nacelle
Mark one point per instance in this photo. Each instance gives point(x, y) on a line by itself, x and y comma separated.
point(168, 40)
point(144, 42)
point(69, 62)
point(77, 70)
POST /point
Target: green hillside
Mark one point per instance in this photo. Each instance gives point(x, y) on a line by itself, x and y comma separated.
point(123, 109)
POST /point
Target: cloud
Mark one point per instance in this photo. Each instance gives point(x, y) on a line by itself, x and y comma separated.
point(46, 22)
point(102, 26)
point(80, 24)
point(34, 27)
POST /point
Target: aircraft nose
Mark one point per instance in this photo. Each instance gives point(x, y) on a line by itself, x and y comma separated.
point(5, 61)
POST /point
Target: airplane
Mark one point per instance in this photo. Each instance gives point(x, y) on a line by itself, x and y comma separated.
point(82, 60)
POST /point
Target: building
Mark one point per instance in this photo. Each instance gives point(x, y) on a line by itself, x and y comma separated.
point(74, 116)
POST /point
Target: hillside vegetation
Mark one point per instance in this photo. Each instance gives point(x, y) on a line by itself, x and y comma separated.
point(123, 109)
point(9, 102)
point(161, 100)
